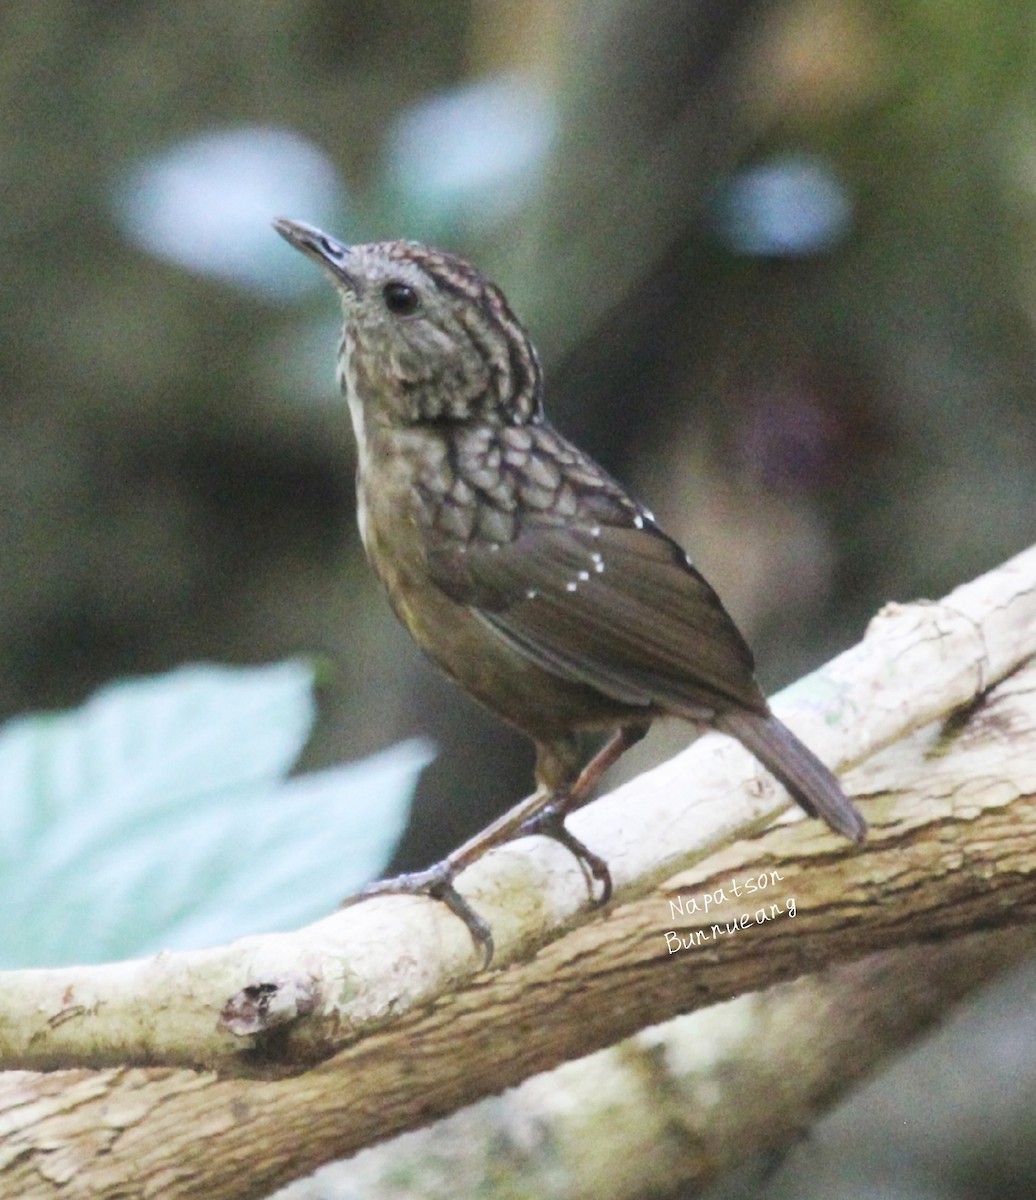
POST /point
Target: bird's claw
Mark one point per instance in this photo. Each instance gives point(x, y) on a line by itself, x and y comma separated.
point(550, 822)
point(435, 882)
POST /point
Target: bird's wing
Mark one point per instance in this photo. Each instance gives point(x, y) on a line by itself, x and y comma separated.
point(611, 602)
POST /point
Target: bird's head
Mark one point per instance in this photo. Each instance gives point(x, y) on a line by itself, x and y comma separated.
point(427, 337)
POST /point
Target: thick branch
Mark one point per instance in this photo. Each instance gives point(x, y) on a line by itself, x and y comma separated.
point(679, 1105)
point(343, 976)
point(951, 851)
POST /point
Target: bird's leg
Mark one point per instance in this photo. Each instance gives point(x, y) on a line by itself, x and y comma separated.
point(543, 812)
point(437, 880)
point(549, 820)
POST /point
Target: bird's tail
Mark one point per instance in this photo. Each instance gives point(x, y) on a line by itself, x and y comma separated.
point(812, 785)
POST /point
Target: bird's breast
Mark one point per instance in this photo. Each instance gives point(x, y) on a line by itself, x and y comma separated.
point(411, 494)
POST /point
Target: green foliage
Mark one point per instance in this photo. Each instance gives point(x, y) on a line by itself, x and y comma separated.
point(158, 816)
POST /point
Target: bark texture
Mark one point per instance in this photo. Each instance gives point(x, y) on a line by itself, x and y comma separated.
point(374, 1021)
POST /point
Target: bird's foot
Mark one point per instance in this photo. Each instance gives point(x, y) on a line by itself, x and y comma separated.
point(437, 882)
point(550, 821)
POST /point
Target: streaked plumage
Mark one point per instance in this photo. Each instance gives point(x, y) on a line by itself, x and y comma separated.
point(521, 567)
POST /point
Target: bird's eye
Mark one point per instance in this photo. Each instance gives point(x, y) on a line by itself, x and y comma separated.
point(400, 298)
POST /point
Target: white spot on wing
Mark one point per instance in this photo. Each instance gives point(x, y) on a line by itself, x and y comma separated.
point(571, 586)
point(531, 594)
point(638, 521)
point(584, 576)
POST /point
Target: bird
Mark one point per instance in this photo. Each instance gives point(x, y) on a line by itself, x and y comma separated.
point(520, 566)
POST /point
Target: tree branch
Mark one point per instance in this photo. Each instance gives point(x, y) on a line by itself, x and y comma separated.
point(679, 1105)
point(387, 987)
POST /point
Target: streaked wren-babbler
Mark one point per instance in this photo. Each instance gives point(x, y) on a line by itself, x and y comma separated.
point(518, 564)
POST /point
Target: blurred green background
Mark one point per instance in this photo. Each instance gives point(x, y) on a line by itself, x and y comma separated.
point(777, 257)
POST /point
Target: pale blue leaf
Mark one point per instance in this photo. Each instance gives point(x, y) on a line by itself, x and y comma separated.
point(206, 202)
point(305, 848)
point(476, 152)
point(791, 206)
point(157, 815)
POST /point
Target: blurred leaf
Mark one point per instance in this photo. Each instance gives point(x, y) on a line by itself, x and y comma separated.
point(157, 816)
point(472, 156)
point(790, 205)
point(206, 203)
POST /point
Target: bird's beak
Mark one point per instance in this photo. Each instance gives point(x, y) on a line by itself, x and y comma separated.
point(331, 255)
